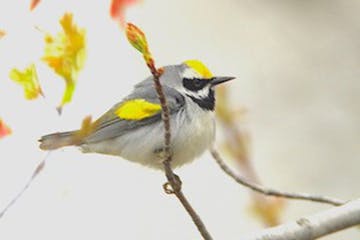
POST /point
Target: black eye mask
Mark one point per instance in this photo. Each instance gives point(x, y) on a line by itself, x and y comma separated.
point(195, 84)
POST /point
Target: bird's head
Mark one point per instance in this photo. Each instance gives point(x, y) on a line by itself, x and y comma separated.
point(193, 79)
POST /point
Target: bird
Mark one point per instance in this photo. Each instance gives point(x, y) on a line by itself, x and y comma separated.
point(133, 128)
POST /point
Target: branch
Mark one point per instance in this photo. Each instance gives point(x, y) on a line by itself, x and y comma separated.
point(314, 226)
point(36, 172)
point(272, 192)
point(138, 40)
point(173, 179)
point(236, 142)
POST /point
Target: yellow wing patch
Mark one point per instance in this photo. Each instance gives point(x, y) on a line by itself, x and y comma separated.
point(137, 109)
point(200, 68)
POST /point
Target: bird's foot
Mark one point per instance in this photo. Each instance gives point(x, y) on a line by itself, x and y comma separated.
point(173, 186)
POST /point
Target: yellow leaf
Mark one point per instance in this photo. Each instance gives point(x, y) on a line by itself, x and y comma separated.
point(65, 53)
point(268, 209)
point(2, 33)
point(86, 129)
point(28, 79)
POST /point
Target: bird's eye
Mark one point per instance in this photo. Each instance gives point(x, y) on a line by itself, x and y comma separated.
point(197, 83)
point(194, 84)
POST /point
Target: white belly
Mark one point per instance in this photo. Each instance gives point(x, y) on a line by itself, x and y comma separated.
point(194, 138)
point(190, 137)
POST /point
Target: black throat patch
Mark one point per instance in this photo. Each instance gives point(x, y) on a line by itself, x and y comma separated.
point(207, 103)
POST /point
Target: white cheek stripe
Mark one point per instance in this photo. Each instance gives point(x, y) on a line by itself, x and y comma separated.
point(190, 73)
point(203, 93)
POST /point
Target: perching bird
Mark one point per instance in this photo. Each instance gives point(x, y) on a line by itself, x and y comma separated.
point(133, 129)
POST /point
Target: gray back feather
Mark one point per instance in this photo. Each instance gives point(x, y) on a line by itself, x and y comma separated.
point(110, 125)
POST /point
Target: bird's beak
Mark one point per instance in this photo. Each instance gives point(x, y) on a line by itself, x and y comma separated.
point(218, 80)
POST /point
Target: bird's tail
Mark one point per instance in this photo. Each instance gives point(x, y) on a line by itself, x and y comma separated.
point(58, 140)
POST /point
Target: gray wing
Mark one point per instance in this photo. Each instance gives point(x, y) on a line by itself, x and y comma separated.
point(110, 125)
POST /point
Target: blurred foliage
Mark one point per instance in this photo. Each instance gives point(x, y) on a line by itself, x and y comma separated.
point(236, 146)
point(28, 79)
point(65, 54)
point(33, 4)
point(2, 33)
point(86, 129)
point(4, 129)
point(117, 9)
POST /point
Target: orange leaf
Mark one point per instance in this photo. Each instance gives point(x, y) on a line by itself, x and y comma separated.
point(117, 9)
point(2, 33)
point(4, 129)
point(33, 4)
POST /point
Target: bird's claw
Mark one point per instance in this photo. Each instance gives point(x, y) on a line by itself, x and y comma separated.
point(174, 186)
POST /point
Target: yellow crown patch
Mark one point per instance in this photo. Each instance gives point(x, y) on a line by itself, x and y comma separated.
point(200, 68)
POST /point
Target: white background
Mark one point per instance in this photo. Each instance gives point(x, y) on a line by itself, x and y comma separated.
point(297, 69)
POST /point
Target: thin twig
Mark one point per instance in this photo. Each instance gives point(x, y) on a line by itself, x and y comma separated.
point(36, 172)
point(272, 192)
point(138, 40)
point(173, 180)
point(236, 143)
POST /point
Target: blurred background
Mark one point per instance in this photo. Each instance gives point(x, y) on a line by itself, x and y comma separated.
point(297, 68)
